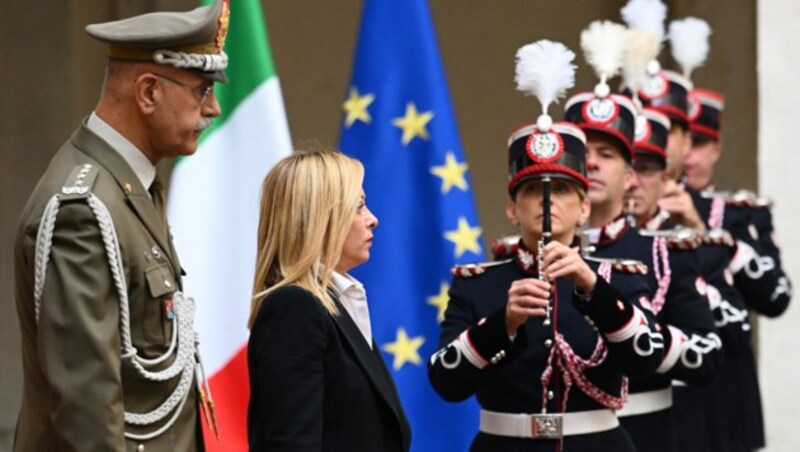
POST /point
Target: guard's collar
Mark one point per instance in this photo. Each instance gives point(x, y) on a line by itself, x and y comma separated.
point(608, 233)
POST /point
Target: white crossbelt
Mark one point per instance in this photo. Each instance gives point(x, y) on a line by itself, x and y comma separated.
point(536, 425)
point(646, 402)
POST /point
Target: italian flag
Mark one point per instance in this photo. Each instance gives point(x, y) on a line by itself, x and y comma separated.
point(213, 213)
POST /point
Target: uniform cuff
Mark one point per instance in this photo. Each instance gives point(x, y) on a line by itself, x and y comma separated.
point(606, 309)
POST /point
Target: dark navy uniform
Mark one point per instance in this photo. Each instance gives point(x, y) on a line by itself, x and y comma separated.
point(689, 412)
point(756, 267)
point(610, 332)
point(693, 349)
point(736, 419)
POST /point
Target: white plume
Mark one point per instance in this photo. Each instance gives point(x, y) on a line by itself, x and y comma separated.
point(545, 70)
point(689, 38)
point(604, 44)
point(646, 15)
point(643, 48)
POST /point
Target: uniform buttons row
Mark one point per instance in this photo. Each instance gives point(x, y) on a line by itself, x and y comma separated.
point(498, 357)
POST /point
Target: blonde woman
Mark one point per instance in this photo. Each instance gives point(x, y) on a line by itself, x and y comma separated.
point(317, 379)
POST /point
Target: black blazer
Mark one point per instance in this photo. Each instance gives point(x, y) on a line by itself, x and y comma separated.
point(315, 384)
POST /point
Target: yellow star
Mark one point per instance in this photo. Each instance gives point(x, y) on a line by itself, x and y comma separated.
point(440, 300)
point(405, 349)
point(452, 173)
point(465, 237)
point(413, 123)
point(356, 107)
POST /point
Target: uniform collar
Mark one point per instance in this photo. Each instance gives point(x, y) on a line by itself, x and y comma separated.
point(525, 258)
point(608, 233)
point(657, 221)
point(144, 169)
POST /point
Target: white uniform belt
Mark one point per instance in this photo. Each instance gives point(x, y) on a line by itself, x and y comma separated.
point(647, 402)
point(547, 426)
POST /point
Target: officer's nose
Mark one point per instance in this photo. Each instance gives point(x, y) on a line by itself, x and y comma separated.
point(211, 106)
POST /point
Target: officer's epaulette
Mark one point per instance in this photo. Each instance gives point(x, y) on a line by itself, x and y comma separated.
point(505, 245)
point(79, 182)
point(741, 198)
point(718, 237)
point(470, 270)
point(622, 265)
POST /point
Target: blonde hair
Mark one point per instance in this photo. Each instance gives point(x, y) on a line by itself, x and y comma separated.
point(308, 204)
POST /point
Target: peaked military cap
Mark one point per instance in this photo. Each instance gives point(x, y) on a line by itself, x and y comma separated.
point(558, 152)
point(191, 40)
point(613, 115)
point(705, 112)
point(652, 131)
point(667, 92)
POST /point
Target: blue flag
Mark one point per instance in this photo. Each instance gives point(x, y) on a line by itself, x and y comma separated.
point(399, 121)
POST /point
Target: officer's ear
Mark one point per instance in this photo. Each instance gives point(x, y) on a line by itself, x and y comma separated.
point(629, 177)
point(511, 212)
point(586, 210)
point(147, 92)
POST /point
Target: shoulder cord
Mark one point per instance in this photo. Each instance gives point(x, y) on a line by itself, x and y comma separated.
point(717, 214)
point(573, 368)
point(182, 332)
point(663, 273)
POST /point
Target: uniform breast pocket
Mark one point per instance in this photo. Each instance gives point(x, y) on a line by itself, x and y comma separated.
point(157, 324)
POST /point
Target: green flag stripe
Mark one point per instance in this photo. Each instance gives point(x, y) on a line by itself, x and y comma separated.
point(250, 59)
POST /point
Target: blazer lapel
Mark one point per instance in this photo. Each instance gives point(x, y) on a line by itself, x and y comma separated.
point(138, 198)
point(369, 359)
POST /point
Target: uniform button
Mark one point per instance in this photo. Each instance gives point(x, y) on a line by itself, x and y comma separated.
point(548, 343)
point(167, 283)
point(140, 448)
point(550, 395)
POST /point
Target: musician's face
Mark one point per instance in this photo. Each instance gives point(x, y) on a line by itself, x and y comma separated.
point(569, 207)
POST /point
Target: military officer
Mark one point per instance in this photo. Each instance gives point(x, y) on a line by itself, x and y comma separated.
point(107, 337)
point(678, 290)
point(543, 339)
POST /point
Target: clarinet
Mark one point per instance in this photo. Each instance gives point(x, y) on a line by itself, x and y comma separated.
point(547, 235)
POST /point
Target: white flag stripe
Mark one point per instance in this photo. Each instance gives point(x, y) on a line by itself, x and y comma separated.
point(213, 212)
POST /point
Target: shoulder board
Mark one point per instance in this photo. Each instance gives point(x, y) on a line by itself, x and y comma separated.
point(741, 198)
point(718, 237)
point(678, 238)
point(622, 265)
point(470, 270)
point(79, 183)
point(505, 245)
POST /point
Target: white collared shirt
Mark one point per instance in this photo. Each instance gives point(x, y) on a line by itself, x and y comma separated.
point(142, 166)
point(354, 299)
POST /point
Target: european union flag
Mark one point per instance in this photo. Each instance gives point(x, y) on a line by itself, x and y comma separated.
point(399, 121)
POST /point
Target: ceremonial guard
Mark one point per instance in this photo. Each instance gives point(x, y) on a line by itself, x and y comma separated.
point(108, 343)
point(734, 420)
point(678, 290)
point(544, 339)
point(715, 250)
point(757, 267)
